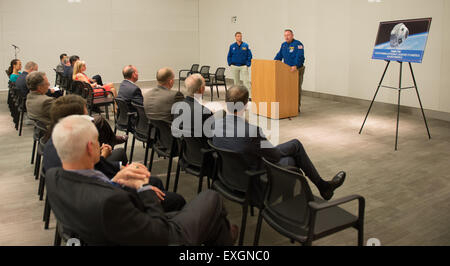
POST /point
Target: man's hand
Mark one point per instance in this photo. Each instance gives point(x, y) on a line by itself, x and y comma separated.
point(106, 151)
point(159, 193)
point(131, 183)
point(133, 176)
point(293, 69)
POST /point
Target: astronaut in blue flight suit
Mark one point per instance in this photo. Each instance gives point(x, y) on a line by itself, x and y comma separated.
point(292, 52)
point(240, 60)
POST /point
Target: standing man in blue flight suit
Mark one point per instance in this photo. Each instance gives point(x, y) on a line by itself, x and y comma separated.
point(293, 54)
point(240, 60)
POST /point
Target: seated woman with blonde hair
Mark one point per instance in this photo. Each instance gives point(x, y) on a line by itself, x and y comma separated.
point(78, 74)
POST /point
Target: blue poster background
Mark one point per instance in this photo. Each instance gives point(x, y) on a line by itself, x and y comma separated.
point(412, 50)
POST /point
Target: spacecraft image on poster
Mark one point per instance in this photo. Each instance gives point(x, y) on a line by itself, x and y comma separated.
point(404, 40)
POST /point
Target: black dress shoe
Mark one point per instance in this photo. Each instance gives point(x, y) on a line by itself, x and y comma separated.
point(337, 182)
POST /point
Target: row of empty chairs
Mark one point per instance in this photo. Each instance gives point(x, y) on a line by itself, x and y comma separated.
point(212, 80)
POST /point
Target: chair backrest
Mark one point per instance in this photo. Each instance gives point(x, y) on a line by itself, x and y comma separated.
point(142, 127)
point(78, 88)
point(194, 68)
point(204, 71)
point(40, 130)
point(163, 136)
point(220, 74)
point(191, 150)
point(231, 168)
point(287, 196)
point(122, 113)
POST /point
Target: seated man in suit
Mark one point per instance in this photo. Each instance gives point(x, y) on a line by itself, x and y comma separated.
point(192, 122)
point(111, 161)
point(128, 90)
point(101, 212)
point(68, 70)
point(21, 83)
point(38, 103)
point(228, 135)
point(158, 102)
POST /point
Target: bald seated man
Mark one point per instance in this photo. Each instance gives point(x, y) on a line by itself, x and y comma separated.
point(129, 91)
point(158, 102)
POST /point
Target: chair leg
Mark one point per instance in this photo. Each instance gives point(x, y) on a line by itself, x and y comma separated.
point(21, 123)
point(150, 166)
point(132, 149)
point(57, 241)
point(200, 185)
point(218, 94)
point(107, 112)
point(258, 229)
point(47, 211)
point(212, 93)
point(41, 187)
point(361, 235)
point(169, 171)
point(147, 147)
point(177, 177)
point(252, 211)
point(37, 166)
point(126, 143)
point(33, 152)
point(243, 224)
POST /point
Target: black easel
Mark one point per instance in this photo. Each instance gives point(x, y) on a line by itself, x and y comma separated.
point(399, 89)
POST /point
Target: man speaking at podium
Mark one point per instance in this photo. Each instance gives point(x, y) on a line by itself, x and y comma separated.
point(293, 54)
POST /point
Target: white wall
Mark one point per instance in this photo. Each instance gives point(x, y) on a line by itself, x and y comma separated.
point(339, 36)
point(107, 34)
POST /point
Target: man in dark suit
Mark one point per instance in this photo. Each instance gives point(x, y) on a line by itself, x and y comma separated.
point(21, 83)
point(128, 90)
point(158, 102)
point(234, 133)
point(191, 113)
point(100, 212)
point(68, 70)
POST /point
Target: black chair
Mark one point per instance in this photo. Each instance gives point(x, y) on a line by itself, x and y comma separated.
point(78, 88)
point(40, 129)
point(217, 79)
point(66, 84)
point(233, 179)
point(165, 146)
point(195, 159)
point(59, 81)
point(123, 121)
point(193, 70)
point(300, 216)
point(142, 131)
point(38, 170)
point(11, 92)
point(98, 99)
point(47, 212)
point(19, 113)
point(62, 234)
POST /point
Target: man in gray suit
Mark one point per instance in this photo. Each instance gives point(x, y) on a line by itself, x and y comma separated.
point(158, 102)
point(38, 104)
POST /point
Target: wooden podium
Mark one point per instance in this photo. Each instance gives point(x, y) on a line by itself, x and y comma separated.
point(273, 81)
